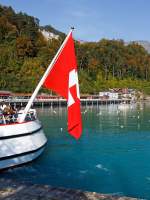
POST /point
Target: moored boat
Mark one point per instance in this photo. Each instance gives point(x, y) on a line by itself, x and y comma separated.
point(20, 142)
point(123, 106)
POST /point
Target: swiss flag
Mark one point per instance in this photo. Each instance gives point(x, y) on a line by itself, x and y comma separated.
point(63, 80)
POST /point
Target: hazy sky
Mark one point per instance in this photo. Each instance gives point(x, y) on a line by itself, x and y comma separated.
point(93, 19)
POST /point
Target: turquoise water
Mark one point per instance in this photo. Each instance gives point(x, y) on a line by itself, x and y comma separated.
point(112, 156)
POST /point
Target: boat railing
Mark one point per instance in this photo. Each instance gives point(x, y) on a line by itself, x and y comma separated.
point(13, 118)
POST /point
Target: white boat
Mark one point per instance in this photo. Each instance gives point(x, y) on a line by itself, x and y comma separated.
point(20, 142)
point(123, 106)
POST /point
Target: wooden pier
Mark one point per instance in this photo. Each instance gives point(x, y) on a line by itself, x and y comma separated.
point(62, 102)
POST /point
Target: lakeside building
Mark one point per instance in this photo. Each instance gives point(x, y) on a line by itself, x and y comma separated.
point(118, 93)
point(5, 94)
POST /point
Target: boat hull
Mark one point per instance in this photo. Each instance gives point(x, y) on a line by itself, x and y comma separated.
point(21, 143)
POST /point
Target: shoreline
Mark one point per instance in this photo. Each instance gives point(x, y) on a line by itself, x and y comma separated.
point(13, 190)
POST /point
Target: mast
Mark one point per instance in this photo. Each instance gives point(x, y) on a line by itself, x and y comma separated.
point(28, 106)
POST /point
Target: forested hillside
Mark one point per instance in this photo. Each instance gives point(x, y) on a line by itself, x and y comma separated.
point(25, 54)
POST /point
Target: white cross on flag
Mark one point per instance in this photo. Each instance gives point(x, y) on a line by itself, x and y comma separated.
point(63, 79)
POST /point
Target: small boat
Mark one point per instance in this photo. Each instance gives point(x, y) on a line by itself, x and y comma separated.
point(20, 142)
point(123, 106)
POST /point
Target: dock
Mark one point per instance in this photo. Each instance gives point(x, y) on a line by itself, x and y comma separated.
point(62, 102)
point(13, 190)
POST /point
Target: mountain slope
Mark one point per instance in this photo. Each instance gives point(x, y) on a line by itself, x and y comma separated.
point(51, 32)
point(145, 44)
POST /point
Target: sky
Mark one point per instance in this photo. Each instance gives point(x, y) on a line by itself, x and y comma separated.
point(93, 19)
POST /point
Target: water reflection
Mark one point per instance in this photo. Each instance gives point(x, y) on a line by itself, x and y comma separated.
point(112, 155)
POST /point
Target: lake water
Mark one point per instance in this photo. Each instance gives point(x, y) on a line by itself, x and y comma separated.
point(112, 156)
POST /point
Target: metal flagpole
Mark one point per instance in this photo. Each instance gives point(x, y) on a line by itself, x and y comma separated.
point(28, 106)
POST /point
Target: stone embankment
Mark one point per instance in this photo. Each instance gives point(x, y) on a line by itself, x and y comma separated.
point(12, 190)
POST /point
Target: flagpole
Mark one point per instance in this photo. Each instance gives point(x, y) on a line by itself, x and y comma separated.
point(28, 106)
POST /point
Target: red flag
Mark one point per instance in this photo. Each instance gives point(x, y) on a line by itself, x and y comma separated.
point(63, 80)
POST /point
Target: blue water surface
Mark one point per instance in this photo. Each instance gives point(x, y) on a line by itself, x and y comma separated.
point(112, 156)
